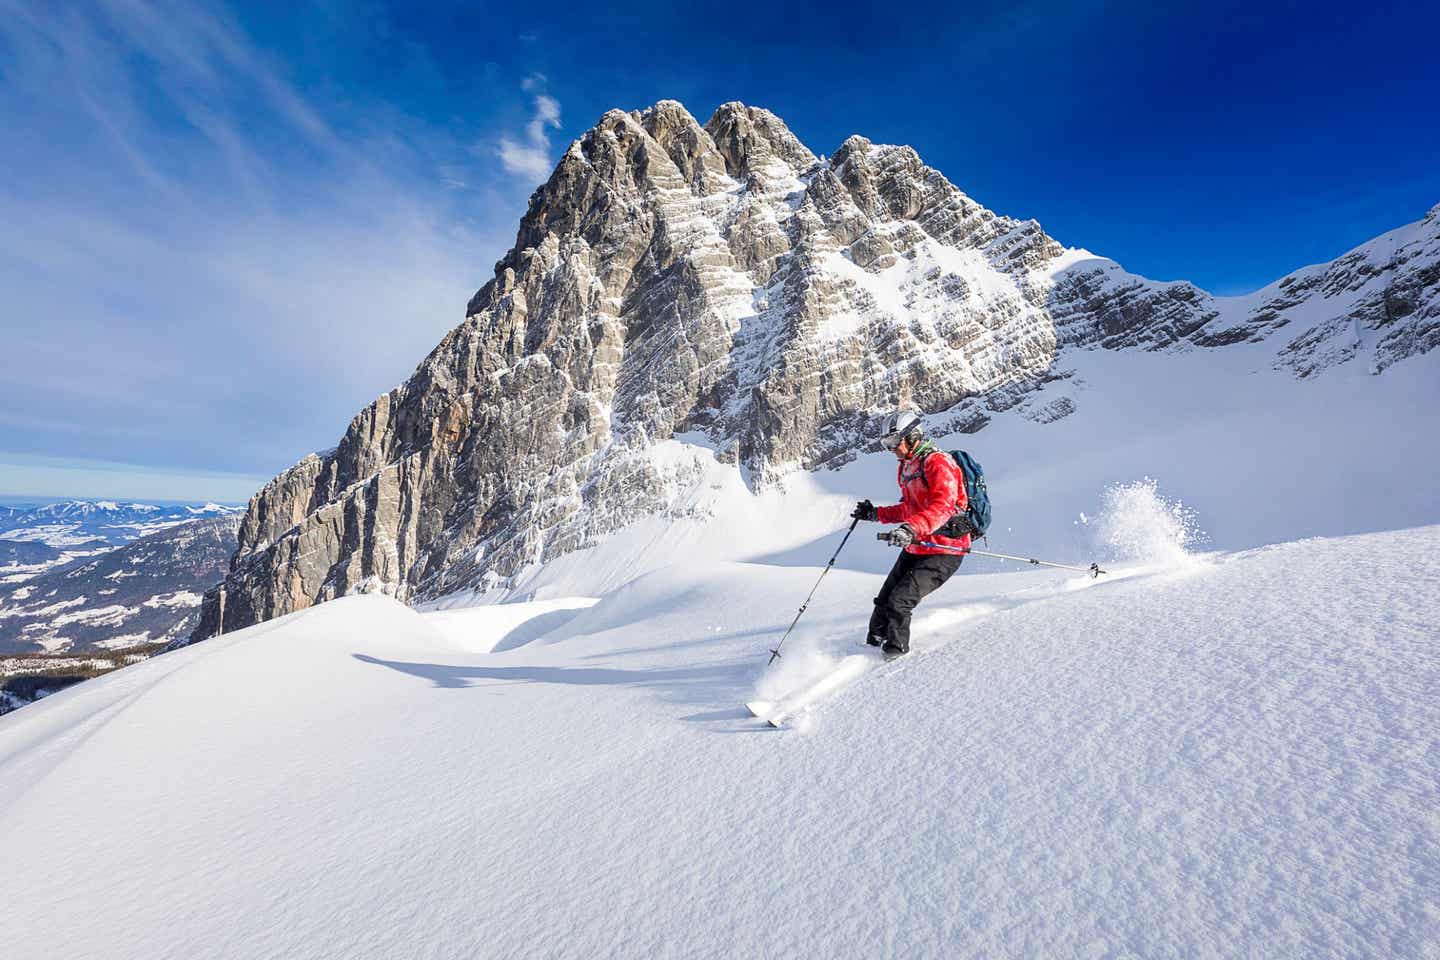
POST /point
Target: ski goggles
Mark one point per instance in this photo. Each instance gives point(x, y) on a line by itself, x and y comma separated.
point(891, 440)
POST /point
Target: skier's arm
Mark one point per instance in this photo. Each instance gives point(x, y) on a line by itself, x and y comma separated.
point(891, 514)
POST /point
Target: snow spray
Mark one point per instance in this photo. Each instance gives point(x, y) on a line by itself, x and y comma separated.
point(1136, 523)
point(807, 658)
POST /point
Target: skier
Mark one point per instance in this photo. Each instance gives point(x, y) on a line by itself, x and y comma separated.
point(931, 508)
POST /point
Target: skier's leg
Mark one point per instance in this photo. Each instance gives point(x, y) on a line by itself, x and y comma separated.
point(880, 616)
point(921, 578)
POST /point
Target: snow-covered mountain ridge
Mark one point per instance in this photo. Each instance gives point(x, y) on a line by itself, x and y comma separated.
point(1229, 755)
point(76, 529)
point(724, 289)
point(123, 520)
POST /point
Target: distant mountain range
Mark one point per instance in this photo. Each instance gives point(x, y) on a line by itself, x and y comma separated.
point(37, 538)
point(143, 593)
point(74, 521)
point(87, 586)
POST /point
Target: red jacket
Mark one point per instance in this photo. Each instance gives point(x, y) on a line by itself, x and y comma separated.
point(928, 499)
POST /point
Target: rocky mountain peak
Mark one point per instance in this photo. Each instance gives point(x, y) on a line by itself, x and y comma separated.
point(723, 284)
point(755, 143)
point(686, 143)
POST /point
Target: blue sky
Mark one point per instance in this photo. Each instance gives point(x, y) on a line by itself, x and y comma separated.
point(224, 228)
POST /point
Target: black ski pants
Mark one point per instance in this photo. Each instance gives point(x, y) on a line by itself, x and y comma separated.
point(914, 577)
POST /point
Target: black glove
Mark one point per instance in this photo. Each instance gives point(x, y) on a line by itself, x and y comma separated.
point(864, 510)
point(902, 536)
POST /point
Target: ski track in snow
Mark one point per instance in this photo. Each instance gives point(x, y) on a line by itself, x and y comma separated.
point(1233, 755)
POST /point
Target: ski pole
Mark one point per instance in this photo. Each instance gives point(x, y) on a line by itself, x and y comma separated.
point(1094, 568)
point(775, 650)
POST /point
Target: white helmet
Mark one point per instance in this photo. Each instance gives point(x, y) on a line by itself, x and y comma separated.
point(900, 425)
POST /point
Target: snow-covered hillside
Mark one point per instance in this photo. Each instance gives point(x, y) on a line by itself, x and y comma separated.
point(1217, 753)
point(1226, 756)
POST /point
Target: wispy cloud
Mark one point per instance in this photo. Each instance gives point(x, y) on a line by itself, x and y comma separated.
point(530, 155)
point(199, 266)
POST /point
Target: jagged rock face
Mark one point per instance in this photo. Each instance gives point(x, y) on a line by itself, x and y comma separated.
point(719, 281)
point(1380, 302)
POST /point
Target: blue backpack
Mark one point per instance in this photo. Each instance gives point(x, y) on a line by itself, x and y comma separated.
point(977, 498)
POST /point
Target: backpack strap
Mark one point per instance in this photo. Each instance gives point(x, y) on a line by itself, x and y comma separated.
point(926, 459)
point(926, 480)
point(962, 487)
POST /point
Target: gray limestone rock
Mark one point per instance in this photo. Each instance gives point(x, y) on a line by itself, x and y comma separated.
point(723, 281)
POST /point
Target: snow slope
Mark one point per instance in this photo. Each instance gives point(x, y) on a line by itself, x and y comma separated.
point(1230, 755)
point(1261, 457)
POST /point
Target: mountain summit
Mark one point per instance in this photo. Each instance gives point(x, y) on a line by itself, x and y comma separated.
point(723, 285)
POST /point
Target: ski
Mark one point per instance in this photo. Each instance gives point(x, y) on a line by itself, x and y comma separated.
point(777, 712)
